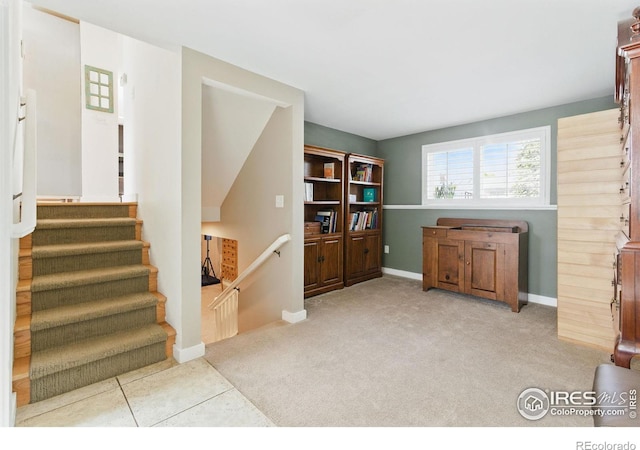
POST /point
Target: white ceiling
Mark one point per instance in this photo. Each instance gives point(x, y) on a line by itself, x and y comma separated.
point(385, 68)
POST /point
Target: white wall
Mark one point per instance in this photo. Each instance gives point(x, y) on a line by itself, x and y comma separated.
point(51, 68)
point(100, 48)
point(249, 216)
point(289, 279)
point(231, 125)
point(152, 166)
point(10, 90)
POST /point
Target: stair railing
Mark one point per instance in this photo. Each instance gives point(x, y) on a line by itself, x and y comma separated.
point(273, 248)
point(24, 160)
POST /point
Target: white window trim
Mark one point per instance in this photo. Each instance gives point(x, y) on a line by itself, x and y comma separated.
point(510, 203)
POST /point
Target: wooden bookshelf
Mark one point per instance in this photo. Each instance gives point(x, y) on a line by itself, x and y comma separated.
point(363, 218)
point(323, 245)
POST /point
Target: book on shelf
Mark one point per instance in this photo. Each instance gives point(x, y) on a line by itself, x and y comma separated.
point(308, 192)
point(369, 194)
point(367, 219)
point(363, 172)
point(328, 220)
point(329, 170)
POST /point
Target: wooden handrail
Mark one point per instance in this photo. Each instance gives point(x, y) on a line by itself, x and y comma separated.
point(253, 266)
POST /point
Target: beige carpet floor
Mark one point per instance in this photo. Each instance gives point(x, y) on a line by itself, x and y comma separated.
point(386, 354)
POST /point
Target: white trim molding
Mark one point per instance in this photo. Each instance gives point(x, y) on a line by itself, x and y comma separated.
point(402, 273)
point(542, 300)
point(183, 355)
point(476, 207)
point(294, 317)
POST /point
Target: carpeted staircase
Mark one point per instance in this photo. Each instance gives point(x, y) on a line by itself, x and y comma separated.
point(87, 302)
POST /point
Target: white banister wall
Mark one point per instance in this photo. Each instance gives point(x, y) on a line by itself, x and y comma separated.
point(25, 162)
point(250, 269)
point(10, 91)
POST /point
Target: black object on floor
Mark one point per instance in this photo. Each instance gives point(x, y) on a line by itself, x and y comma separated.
point(208, 274)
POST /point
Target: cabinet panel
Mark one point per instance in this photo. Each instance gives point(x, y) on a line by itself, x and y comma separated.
point(372, 253)
point(311, 264)
point(363, 258)
point(331, 265)
point(355, 261)
point(450, 257)
point(484, 266)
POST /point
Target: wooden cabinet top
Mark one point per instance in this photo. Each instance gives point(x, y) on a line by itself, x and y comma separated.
point(491, 225)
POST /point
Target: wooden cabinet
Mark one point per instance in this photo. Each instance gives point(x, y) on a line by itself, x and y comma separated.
point(484, 258)
point(324, 199)
point(363, 218)
point(627, 95)
point(323, 264)
point(363, 262)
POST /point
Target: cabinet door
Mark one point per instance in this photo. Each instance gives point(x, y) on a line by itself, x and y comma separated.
point(331, 261)
point(450, 259)
point(356, 255)
point(311, 263)
point(484, 269)
point(372, 261)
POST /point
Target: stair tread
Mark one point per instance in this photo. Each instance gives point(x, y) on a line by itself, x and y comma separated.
point(56, 250)
point(69, 356)
point(91, 276)
point(69, 314)
point(85, 223)
point(78, 233)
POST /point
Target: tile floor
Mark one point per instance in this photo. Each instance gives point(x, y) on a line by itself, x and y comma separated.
point(166, 394)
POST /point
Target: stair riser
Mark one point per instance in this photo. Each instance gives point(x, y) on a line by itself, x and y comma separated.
point(25, 268)
point(71, 333)
point(70, 263)
point(22, 344)
point(84, 211)
point(74, 236)
point(124, 337)
point(91, 292)
point(77, 377)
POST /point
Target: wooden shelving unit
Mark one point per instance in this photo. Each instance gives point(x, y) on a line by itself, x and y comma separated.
point(324, 193)
point(363, 218)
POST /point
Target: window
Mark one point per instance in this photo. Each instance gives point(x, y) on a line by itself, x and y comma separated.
point(98, 89)
point(509, 169)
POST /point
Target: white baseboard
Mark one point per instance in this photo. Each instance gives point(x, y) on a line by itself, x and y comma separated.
point(533, 298)
point(294, 317)
point(542, 300)
point(402, 273)
point(183, 355)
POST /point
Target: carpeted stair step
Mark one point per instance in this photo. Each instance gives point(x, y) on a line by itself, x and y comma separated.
point(49, 259)
point(73, 231)
point(73, 323)
point(60, 289)
point(84, 210)
point(62, 369)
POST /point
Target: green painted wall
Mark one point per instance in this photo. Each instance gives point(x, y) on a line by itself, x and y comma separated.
point(403, 159)
point(321, 136)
